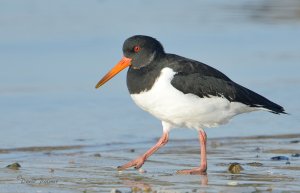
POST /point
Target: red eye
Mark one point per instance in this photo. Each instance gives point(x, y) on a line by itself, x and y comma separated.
point(136, 49)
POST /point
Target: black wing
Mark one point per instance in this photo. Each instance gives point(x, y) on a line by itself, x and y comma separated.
point(205, 81)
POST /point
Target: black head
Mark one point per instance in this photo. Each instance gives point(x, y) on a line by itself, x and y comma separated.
point(142, 50)
point(139, 51)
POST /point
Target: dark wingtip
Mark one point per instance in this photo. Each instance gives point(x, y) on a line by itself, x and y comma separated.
point(283, 112)
point(279, 111)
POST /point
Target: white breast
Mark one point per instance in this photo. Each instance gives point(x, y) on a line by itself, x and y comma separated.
point(186, 110)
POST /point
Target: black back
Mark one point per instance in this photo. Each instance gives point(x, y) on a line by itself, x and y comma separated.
point(204, 81)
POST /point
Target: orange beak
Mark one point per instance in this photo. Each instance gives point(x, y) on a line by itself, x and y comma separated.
point(124, 62)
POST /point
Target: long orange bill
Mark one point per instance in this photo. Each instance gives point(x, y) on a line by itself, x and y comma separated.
point(124, 62)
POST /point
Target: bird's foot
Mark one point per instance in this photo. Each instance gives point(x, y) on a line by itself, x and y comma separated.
point(136, 163)
point(195, 171)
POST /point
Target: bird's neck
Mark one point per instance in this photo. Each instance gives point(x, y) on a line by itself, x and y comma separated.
point(142, 79)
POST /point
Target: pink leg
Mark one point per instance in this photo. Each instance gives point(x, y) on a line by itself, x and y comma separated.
point(137, 163)
point(203, 166)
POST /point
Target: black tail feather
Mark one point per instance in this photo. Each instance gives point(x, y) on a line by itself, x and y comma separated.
point(253, 99)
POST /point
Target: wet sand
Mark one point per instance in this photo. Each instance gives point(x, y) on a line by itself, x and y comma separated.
point(93, 168)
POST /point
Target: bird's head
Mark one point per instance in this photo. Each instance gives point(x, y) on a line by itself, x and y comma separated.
point(138, 52)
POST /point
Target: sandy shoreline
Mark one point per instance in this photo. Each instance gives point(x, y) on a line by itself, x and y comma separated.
point(93, 168)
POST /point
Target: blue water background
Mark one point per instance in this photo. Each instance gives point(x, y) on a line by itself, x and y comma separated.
point(52, 53)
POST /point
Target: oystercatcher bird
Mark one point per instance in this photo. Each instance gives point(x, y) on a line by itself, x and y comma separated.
point(182, 93)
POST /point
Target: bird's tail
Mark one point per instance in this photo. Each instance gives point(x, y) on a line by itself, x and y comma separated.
point(256, 100)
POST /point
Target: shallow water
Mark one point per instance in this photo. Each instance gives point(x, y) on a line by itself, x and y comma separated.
point(83, 169)
point(53, 53)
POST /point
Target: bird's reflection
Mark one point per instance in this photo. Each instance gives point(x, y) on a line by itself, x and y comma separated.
point(204, 180)
point(147, 184)
point(137, 185)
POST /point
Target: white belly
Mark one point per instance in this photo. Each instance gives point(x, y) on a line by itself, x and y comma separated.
point(186, 110)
